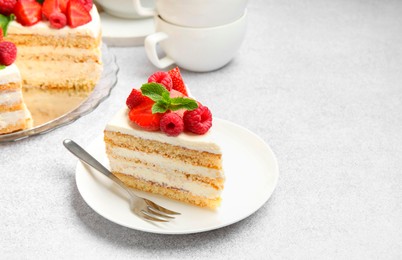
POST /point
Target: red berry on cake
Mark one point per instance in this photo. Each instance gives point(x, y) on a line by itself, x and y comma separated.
point(171, 124)
point(162, 78)
point(1, 34)
point(8, 53)
point(142, 116)
point(49, 7)
point(198, 121)
point(28, 12)
point(178, 83)
point(77, 14)
point(7, 6)
point(135, 98)
point(57, 20)
point(63, 6)
point(87, 4)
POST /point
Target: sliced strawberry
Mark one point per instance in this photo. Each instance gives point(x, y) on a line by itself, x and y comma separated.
point(49, 7)
point(143, 117)
point(87, 4)
point(178, 83)
point(28, 12)
point(135, 98)
point(77, 14)
point(63, 6)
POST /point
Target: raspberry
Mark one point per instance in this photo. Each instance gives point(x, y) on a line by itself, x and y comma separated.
point(162, 78)
point(135, 98)
point(171, 124)
point(198, 121)
point(8, 53)
point(7, 6)
point(57, 20)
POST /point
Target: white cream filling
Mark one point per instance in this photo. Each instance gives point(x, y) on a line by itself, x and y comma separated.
point(12, 118)
point(91, 29)
point(207, 142)
point(10, 74)
point(8, 98)
point(174, 181)
point(168, 164)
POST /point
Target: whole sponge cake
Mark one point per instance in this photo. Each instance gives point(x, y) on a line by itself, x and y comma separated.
point(59, 45)
point(172, 152)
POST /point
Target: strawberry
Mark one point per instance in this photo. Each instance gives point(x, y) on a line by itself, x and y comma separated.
point(77, 14)
point(87, 4)
point(28, 12)
point(49, 7)
point(135, 98)
point(63, 6)
point(178, 83)
point(143, 117)
point(1, 34)
point(7, 6)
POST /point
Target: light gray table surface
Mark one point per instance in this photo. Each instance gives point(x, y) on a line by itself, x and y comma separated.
point(319, 81)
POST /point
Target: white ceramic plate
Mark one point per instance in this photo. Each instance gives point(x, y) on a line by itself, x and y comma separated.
point(251, 173)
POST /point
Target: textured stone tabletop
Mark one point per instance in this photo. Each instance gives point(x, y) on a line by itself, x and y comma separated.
point(319, 81)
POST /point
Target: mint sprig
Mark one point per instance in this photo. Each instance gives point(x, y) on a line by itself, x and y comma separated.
point(163, 102)
point(4, 21)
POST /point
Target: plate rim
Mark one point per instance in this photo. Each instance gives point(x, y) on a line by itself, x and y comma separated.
point(262, 201)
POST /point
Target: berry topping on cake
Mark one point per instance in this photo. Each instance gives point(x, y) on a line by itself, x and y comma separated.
point(171, 124)
point(87, 4)
point(57, 20)
point(28, 12)
point(163, 78)
point(135, 98)
point(198, 121)
point(49, 7)
point(8, 53)
point(77, 14)
point(178, 83)
point(7, 6)
point(142, 116)
point(63, 6)
point(153, 107)
point(1, 34)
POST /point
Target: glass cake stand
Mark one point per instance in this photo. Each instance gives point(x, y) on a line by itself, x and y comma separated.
point(49, 115)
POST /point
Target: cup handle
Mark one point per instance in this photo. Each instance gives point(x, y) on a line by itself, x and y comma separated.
point(143, 11)
point(150, 48)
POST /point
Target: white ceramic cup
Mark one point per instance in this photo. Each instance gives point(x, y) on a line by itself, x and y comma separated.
point(195, 49)
point(199, 13)
point(129, 9)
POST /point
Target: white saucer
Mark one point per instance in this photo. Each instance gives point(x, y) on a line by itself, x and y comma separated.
point(125, 32)
point(251, 173)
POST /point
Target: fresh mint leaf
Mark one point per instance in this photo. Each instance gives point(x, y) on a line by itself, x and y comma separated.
point(154, 91)
point(181, 102)
point(4, 22)
point(2, 67)
point(160, 107)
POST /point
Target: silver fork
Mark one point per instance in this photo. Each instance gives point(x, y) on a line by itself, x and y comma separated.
point(142, 207)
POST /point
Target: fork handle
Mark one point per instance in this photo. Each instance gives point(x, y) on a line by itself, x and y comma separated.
point(84, 156)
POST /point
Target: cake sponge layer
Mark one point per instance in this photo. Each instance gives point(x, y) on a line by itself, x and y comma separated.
point(198, 158)
point(168, 192)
